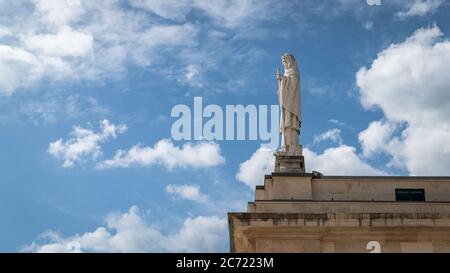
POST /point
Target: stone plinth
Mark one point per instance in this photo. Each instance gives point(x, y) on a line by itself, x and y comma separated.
point(289, 163)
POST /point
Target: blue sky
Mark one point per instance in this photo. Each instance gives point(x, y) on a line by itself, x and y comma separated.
point(85, 85)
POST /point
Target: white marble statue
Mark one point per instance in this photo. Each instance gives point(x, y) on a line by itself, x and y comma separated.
point(289, 99)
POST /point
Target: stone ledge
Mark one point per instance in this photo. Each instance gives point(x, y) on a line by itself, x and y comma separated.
point(288, 174)
point(261, 216)
point(344, 177)
point(348, 201)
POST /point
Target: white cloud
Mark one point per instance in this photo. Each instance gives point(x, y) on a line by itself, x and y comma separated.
point(333, 135)
point(187, 192)
point(18, 69)
point(229, 13)
point(252, 171)
point(84, 143)
point(84, 40)
point(200, 234)
point(191, 72)
point(58, 12)
point(339, 123)
point(4, 32)
point(53, 107)
point(74, 40)
point(375, 138)
point(201, 155)
point(233, 13)
point(169, 9)
point(65, 43)
point(130, 232)
point(368, 25)
point(409, 82)
point(341, 160)
point(192, 76)
point(420, 8)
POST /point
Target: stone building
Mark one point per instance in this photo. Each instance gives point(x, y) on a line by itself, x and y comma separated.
point(308, 212)
point(296, 211)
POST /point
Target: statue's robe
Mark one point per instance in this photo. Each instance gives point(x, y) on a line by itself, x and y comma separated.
point(289, 96)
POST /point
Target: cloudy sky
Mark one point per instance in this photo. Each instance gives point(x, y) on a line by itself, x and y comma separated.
point(87, 162)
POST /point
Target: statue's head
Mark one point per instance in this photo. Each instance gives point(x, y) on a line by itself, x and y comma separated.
point(288, 60)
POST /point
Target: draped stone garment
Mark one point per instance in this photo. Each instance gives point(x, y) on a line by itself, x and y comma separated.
point(289, 96)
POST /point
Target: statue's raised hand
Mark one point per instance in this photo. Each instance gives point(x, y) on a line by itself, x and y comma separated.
point(279, 77)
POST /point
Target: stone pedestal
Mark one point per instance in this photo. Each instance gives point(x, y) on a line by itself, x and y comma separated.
point(289, 163)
